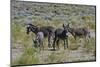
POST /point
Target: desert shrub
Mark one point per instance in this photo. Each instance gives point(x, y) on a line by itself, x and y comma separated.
point(91, 25)
point(17, 31)
point(73, 44)
point(90, 45)
point(28, 57)
point(55, 57)
point(73, 47)
point(19, 35)
point(89, 21)
point(88, 18)
point(51, 58)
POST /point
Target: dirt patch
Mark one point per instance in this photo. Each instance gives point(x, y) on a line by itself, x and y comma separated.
point(65, 56)
point(16, 52)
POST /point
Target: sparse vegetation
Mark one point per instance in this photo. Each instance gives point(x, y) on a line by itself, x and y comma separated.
point(51, 15)
point(90, 45)
point(29, 56)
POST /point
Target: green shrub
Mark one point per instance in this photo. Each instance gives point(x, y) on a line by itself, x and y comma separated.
point(90, 45)
point(28, 57)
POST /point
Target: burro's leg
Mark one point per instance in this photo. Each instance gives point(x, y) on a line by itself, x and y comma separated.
point(49, 45)
point(64, 44)
point(42, 45)
point(54, 43)
point(67, 41)
point(58, 43)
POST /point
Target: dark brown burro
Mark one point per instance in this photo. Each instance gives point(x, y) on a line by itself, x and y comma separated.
point(61, 34)
point(48, 31)
point(79, 32)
